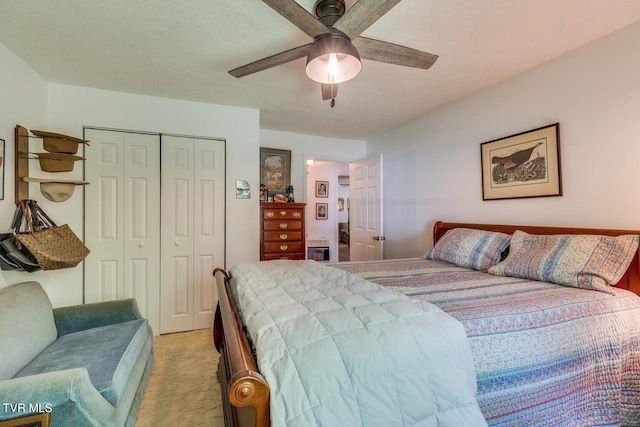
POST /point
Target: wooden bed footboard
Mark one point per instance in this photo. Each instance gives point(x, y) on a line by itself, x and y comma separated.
point(245, 394)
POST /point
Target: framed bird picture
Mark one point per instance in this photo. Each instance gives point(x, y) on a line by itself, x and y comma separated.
point(526, 164)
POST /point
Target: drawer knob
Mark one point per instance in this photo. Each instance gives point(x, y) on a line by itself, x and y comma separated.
point(269, 214)
point(284, 247)
point(296, 214)
point(283, 213)
point(283, 225)
point(284, 236)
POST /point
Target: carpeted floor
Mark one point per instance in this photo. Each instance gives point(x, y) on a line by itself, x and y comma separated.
point(183, 389)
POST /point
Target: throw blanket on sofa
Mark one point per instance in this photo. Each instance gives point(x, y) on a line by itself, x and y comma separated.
point(338, 350)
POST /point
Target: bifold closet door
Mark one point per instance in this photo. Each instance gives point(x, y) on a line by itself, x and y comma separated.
point(192, 230)
point(122, 219)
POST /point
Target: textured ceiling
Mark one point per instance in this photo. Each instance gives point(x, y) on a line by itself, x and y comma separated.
point(184, 49)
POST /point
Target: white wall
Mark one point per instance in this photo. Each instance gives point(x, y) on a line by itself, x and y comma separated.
point(24, 102)
point(432, 165)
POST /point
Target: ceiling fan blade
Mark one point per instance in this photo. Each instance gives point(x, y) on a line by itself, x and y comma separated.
point(272, 61)
point(298, 16)
point(329, 91)
point(377, 50)
point(362, 15)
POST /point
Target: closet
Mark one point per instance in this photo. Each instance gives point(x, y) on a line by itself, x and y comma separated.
point(192, 231)
point(154, 221)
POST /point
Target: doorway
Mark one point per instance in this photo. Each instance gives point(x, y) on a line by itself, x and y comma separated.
point(327, 214)
point(344, 204)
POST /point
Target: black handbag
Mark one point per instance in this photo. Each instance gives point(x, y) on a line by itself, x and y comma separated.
point(12, 255)
point(7, 263)
point(22, 257)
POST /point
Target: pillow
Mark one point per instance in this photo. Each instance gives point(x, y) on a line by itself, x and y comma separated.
point(469, 248)
point(578, 260)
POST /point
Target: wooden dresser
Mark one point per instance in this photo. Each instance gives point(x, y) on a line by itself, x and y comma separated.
point(283, 232)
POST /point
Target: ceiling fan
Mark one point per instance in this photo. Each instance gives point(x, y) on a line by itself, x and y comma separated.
point(334, 55)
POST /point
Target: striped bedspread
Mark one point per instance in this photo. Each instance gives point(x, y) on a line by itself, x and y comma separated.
point(545, 354)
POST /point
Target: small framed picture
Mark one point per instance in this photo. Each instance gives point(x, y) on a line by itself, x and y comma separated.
point(243, 189)
point(321, 210)
point(280, 198)
point(322, 188)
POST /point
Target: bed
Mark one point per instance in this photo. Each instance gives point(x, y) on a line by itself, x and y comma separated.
point(543, 354)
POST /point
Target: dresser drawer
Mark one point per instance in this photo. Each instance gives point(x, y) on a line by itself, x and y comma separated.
point(281, 236)
point(271, 257)
point(281, 247)
point(282, 225)
point(282, 213)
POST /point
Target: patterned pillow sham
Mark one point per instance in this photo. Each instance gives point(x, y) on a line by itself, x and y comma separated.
point(578, 260)
point(469, 248)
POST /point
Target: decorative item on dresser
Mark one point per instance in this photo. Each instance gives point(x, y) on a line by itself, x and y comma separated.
point(283, 231)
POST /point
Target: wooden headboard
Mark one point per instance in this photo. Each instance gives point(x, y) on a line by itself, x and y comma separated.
point(630, 280)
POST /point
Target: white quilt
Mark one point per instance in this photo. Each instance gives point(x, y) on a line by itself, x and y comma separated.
point(337, 350)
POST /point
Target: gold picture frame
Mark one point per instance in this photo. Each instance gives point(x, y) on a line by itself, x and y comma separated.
point(322, 210)
point(322, 189)
point(275, 169)
point(35, 420)
point(523, 165)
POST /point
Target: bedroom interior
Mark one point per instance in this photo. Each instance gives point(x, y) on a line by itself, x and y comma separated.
point(503, 69)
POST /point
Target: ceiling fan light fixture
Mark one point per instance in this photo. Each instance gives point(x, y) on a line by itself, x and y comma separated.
point(333, 59)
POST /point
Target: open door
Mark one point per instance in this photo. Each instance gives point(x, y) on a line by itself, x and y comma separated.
point(365, 234)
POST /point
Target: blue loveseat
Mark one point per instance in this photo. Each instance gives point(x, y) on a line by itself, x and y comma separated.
point(87, 364)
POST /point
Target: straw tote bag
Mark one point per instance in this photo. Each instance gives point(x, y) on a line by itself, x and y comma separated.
point(54, 246)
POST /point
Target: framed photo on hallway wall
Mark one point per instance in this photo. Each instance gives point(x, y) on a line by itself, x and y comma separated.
point(322, 188)
point(526, 164)
point(321, 210)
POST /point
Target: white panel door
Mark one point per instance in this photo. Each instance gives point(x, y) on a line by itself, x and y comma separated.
point(192, 229)
point(122, 219)
point(366, 239)
point(208, 244)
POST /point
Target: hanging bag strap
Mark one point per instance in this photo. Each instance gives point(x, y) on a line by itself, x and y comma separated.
point(43, 217)
point(30, 217)
point(17, 219)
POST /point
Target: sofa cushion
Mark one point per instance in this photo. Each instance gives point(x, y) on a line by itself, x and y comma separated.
point(109, 354)
point(26, 326)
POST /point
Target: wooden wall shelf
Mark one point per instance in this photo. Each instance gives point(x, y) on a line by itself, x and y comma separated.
point(22, 163)
point(58, 147)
